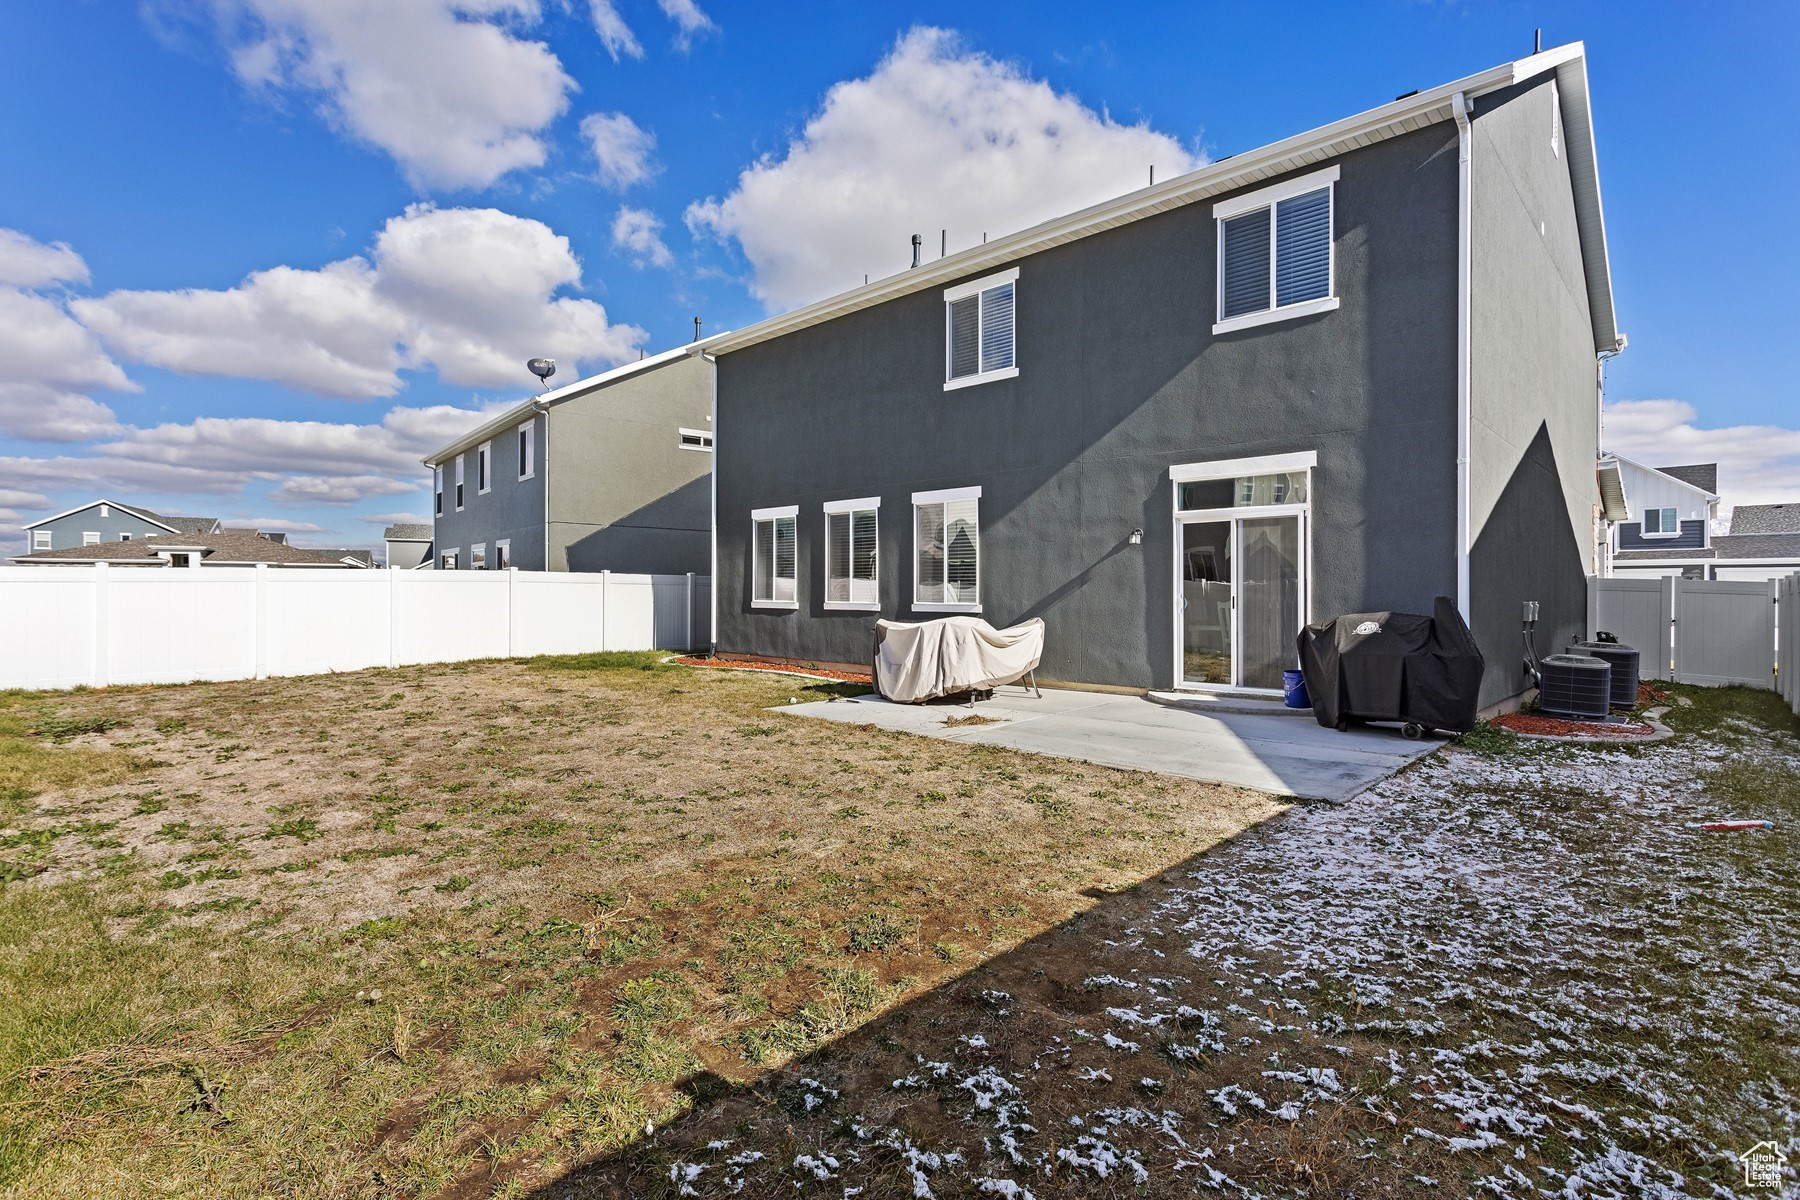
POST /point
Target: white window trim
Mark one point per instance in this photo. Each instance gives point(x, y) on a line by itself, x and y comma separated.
point(89, 538)
point(943, 496)
point(459, 497)
point(499, 542)
point(454, 554)
point(1226, 468)
point(1268, 198)
point(437, 492)
point(1661, 533)
point(484, 468)
point(757, 517)
point(705, 448)
point(41, 539)
point(963, 291)
point(839, 508)
point(529, 431)
point(478, 550)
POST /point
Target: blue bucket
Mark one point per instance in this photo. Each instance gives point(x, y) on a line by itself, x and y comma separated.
point(1293, 690)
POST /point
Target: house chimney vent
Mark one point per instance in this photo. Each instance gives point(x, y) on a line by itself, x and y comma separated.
point(917, 243)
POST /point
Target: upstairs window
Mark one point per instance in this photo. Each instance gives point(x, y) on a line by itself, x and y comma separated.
point(774, 569)
point(437, 490)
point(852, 560)
point(90, 538)
point(1661, 522)
point(527, 450)
point(947, 536)
point(484, 455)
point(40, 539)
point(1275, 252)
point(978, 331)
point(695, 439)
point(459, 483)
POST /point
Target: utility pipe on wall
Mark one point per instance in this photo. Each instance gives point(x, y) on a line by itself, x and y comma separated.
point(1459, 107)
point(543, 465)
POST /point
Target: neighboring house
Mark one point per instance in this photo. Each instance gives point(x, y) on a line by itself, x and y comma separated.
point(1667, 527)
point(408, 546)
point(1764, 543)
point(102, 521)
point(225, 548)
point(1351, 371)
point(611, 472)
point(350, 558)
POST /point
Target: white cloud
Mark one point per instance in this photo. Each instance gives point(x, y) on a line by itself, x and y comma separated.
point(1758, 464)
point(273, 525)
point(614, 34)
point(48, 362)
point(689, 20)
point(315, 489)
point(638, 232)
point(467, 291)
point(936, 137)
point(28, 263)
point(396, 518)
point(622, 149)
point(447, 88)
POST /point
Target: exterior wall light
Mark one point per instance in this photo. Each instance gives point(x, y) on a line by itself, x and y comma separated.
point(1136, 538)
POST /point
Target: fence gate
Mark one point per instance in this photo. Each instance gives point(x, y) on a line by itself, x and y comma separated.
point(1725, 632)
point(1638, 612)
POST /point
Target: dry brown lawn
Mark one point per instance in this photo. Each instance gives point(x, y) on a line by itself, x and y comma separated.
point(450, 931)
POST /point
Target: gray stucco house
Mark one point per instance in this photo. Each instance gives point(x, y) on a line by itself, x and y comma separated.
point(408, 546)
point(612, 472)
point(100, 521)
point(1350, 371)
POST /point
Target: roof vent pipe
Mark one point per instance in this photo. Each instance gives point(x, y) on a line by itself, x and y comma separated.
point(917, 242)
point(696, 329)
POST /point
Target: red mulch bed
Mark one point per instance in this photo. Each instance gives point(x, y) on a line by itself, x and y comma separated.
point(1551, 727)
point(773, 664)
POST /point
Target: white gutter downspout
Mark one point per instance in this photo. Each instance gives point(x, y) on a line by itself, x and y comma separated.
point(712, 591)
point(1459, 107)
point(539, 406)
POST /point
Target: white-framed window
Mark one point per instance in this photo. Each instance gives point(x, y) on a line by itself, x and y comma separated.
point(695, 439)
point(774, 572)
point(437, 490)
point(459, 483)
point(979, 343)
point(180, 559)
point(478, 557)
point(503, 554)
point(447, 560)
point(1661, 522)
point(852, 554)
point(1275, 252)
point(484, 474)
point(527, 450)
point(90, 538)
point(947, 544)
point(40, 539)
point(124, 537)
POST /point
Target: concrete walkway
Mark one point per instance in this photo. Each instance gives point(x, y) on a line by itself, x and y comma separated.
point(1280, 754)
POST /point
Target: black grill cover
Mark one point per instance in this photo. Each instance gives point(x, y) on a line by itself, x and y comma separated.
point(1387, 666)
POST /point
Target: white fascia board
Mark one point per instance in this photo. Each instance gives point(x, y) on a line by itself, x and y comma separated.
point(1697, 490)
point(1232, 468)
point(944, 495)
point(1412, 112)
point(136, 512)
point(833, 507)
point(770, 514)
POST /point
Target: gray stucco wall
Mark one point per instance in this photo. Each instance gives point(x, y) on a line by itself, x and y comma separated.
point(1533, 397)
point(68, 530)
point(1120, 378)
point(624, 494)
point(513, 508)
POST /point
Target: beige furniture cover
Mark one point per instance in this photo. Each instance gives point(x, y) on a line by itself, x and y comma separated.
point(928, 659)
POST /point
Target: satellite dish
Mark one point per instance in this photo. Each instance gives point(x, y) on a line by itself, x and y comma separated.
point(543, 368)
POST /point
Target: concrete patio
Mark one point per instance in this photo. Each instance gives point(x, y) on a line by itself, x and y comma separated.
point(1285, 754)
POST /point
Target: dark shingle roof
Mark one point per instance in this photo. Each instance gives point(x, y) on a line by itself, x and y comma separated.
point(229, 546)
point(1758, 545)
point(1701, 475)
point(407, 533)
point(1765, 518)
point(365, 557)
point(183, 524)
point(1664, 555)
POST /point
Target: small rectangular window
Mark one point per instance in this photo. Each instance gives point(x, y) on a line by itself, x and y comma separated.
point(948, 540)
point(484, 455)
point(437, 490)
point(1276, 253)
point(124, 537)
point(478, 557)
point(695, 439)
point(40, 539)
point(527, 451)
point(503, 555)
point(1661, 522)
point(774, 566)
point(90, 538)
point(459, 483)
point(105, 511)
point(448, 561)
point(980, 327)
point(852, 557)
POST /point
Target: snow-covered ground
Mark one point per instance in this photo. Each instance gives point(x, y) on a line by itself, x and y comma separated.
point(1518, 975)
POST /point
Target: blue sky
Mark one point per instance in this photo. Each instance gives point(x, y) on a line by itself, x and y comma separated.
point(265, 253)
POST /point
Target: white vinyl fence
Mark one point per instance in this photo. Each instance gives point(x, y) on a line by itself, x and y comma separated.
point(1712, 632)
point(70, 626)
point(1787, 634)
